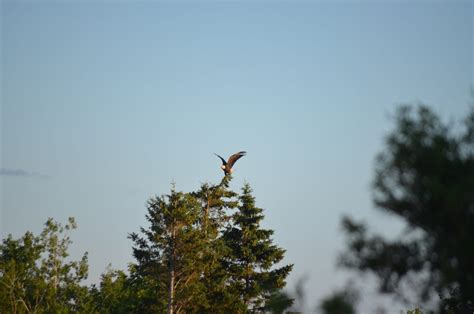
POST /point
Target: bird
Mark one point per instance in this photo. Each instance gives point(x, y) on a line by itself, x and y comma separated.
point(227, 165)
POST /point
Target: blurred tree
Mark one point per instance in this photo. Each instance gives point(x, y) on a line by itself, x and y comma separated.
point(34, 274)
point(425, 177)
point(340, 302)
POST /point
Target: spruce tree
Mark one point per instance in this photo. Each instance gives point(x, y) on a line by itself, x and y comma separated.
point(252, 256)
point(201, 256)
point(216, 201)
point(168, 257)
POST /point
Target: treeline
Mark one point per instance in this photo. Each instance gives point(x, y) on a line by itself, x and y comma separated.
point(202, 252)
point(205, 251)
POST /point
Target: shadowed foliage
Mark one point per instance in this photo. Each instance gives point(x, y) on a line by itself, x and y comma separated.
point(340, 302)
point(425, 176)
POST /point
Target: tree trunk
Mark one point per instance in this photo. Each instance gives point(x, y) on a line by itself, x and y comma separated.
point(171, 290)
point(206, 216)
point(172, 273)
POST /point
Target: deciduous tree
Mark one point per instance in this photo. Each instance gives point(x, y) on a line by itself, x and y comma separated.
point(35, 275)
point(425, 177)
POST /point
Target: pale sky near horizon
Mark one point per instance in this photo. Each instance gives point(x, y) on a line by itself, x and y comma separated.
point(104, 104)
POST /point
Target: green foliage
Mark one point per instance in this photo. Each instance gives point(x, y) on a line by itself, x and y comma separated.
point(216, 201)
point(116, 293)
point(203, 252)
point(278, 302)
point(341, 302)
point(426, 177)
point(252, 254)
point(196, 257)
point(169, 256)
point(35, 276)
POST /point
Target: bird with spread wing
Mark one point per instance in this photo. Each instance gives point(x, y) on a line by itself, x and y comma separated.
point(227, 165)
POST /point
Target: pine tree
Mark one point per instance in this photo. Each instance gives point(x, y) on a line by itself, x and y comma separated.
point(198, 257)
point(252, 255)
point(216, 201)
point(168, 258)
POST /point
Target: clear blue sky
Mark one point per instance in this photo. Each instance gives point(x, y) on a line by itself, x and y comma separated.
point(104, 105)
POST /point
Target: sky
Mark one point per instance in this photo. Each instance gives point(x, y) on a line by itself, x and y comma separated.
point(104, 105)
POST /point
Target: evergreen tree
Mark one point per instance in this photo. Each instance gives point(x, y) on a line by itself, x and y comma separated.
point(278, 302)
point(252, 255)
point(216, 201)
point(168, 257)
point(188, 260)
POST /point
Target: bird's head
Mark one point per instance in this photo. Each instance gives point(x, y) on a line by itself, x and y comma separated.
point(223, 167)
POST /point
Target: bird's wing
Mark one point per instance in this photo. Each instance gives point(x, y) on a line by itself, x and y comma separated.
point(234, 158)
point(223, 160)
